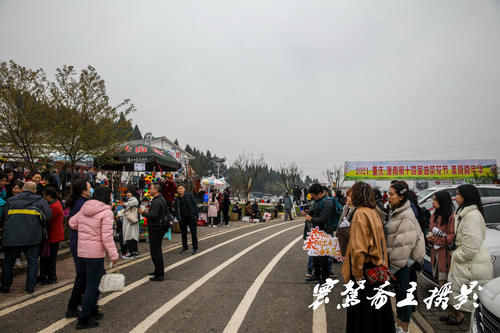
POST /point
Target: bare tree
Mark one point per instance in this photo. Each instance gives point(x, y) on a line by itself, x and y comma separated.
point(289, 175)
point(245, 171)
point(335, 176)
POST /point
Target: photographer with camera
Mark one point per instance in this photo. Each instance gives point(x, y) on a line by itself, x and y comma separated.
point(322, 215)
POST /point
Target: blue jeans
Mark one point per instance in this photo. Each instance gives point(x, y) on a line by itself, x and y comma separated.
point(310, 263)
point(11, 253)
point(402, 285)
point(95, 271)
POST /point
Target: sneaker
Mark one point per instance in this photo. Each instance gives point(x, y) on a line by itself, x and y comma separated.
point(183, 251)
point(135, 255)
point(195, 251)
point(401, 330)
point(85, 323)
point(128, 256)
point(156, 279)
point(308, 275)
point(313, 279)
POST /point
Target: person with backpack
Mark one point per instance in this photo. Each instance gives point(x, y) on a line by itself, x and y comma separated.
point(157, 228)
point(24, 217)
point(322, 215)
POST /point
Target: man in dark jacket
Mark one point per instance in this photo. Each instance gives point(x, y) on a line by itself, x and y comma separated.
point(156, 229)
point(23, 219)
point(226, 202)
point(186, 212)
point(287, 200)
point(322, 216)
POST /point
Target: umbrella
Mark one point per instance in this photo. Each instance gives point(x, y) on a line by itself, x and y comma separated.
point(153, 158)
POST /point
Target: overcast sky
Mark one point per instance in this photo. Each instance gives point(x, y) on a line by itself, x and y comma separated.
point(317, 82)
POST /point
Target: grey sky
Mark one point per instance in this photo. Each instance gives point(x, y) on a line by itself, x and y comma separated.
point(318, 82)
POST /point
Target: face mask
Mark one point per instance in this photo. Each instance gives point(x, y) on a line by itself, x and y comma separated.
point(91, 192)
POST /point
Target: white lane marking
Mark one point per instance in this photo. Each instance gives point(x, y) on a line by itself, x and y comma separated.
point(240, 313)
point(57, 291)
point(60, 324)
point(319, 320)
point(158, 314)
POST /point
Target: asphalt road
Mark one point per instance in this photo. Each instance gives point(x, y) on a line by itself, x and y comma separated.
point(246, 280)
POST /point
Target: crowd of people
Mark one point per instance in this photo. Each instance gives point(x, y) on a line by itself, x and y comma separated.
point(380, 236)
point(383, 239)
point(33, 206)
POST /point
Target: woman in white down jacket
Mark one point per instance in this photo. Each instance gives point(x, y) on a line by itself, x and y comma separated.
point(131, 228)
point(470, 260)
point(405, 246)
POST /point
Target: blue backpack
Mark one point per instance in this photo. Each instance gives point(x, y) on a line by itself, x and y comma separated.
point(332, 223)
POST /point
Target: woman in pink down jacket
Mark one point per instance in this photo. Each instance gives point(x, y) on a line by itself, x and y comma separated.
point(94, 223)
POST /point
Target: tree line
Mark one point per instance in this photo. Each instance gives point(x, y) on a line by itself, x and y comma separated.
point(249, 173)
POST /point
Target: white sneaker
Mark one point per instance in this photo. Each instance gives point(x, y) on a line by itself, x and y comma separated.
point(401, 330)
point(127, 257)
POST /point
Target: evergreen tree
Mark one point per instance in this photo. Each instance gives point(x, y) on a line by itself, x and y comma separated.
point(136, 133)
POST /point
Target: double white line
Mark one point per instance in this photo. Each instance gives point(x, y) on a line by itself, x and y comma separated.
point(65, 321)
point(155, 316)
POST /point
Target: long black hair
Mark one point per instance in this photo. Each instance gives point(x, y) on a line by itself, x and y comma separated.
point(445, 209)
point(402, 190)
point(471, 197)
point(77, 189)
point(103, 194)
point(133, 190)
